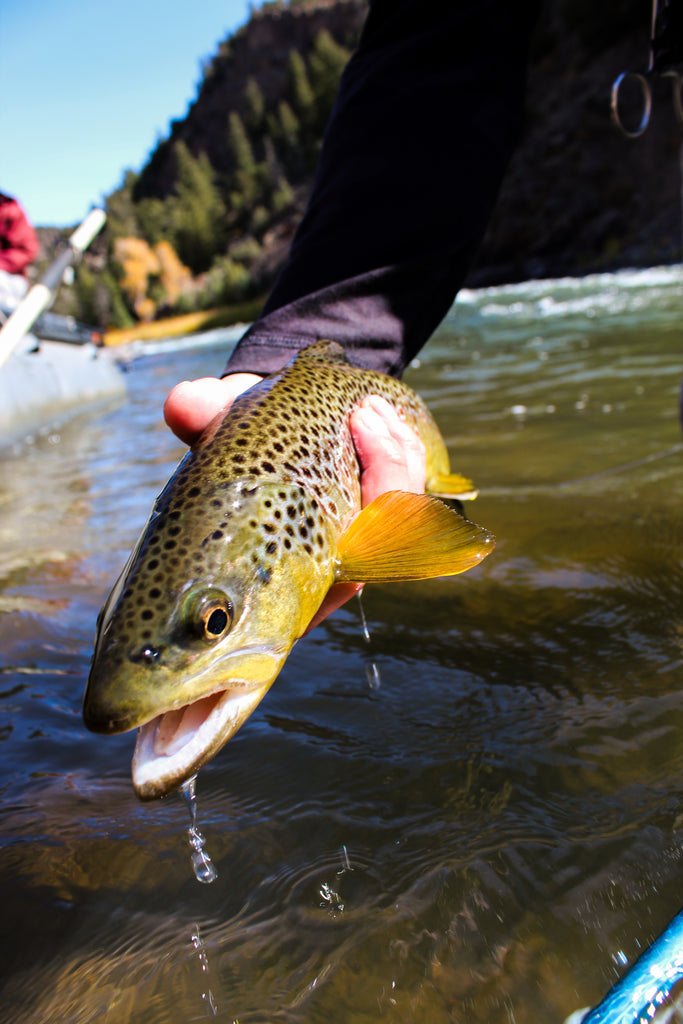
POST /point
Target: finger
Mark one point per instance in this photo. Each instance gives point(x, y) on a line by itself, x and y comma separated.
point(391, 455)
point(192, 405)
point(336, 596)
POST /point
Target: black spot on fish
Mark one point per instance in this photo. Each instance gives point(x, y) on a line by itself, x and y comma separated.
point(217, 534)
point(271, 548)
point(267, 467)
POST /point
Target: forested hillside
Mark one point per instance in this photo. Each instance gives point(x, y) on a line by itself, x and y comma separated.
point(207, 222)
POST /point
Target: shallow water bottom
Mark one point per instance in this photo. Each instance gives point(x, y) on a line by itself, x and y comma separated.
point(473, 817)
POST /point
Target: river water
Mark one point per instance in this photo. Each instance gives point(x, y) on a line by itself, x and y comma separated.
point(476, 815)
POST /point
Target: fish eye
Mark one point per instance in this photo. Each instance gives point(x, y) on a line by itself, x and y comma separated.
point(216, 619)
point(209, 614)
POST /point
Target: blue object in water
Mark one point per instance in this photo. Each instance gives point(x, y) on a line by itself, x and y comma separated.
point(636, 998)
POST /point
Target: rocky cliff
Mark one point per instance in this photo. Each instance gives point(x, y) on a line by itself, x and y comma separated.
point(578, 197)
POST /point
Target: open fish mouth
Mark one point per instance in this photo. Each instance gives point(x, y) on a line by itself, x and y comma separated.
point(173, 746)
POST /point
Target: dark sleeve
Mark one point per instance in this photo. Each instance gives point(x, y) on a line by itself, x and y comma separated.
point(428, 112)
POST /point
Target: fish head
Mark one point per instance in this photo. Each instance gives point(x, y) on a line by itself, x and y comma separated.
point(201, 621)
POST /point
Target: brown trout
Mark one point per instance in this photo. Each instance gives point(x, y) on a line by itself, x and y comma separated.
point(260, 518)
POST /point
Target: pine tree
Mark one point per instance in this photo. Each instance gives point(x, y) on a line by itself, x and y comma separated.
point(155, 217)
point(245, 178)
point(240, 147)
point(303, 98)
point(198, 211)
point(289, 129)
point(255, 108)
point(283, 196)
point(327, 60)
point(121, 214)
point(285, 132)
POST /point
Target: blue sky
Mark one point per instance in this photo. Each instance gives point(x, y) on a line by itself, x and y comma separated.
point(88, 88)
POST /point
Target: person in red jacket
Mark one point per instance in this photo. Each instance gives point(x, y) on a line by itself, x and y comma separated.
point(18, 249)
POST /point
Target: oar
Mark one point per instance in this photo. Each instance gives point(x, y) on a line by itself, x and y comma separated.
point(646, 985)
point(39, 297)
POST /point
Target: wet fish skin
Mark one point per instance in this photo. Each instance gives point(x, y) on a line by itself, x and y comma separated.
point(242, 545)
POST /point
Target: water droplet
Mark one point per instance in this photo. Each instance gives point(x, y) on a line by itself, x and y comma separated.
point(364, 623)
point(330, 897)
point(200, 949)
point(373, 676)
point(202, 865)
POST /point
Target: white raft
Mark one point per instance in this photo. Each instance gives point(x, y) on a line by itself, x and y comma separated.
point(44, 381)
point(41, 381)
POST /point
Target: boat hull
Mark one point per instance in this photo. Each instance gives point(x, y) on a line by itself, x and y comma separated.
point(42, 382)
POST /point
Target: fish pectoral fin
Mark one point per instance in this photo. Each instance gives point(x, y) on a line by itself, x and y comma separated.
point(452, 485)
point(402, 536)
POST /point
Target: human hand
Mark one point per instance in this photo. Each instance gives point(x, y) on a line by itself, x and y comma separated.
point(391, 455)
point(192, 404)
point(392, 458)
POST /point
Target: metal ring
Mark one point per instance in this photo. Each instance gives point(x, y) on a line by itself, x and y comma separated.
point(676, 94)
point(647, 103)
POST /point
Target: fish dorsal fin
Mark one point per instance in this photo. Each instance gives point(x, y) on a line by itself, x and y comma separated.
point(402, 536)
point(323, 351)
point(452, 485)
